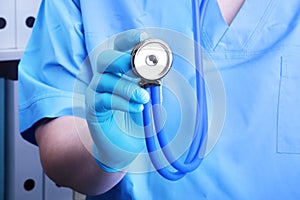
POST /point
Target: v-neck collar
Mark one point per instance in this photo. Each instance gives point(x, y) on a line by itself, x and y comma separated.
point(217, 34)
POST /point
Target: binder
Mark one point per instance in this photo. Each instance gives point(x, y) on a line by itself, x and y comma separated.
point(7, 24)
point(24, 174)
point(26, 11)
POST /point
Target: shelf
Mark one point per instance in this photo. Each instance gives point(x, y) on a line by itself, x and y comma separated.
point(11, 54)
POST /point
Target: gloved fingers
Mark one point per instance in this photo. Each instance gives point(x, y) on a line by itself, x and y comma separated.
point(127, 89)
point(106, 102)
point(127, 40)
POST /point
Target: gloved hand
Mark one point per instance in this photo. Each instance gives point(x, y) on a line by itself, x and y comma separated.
point(114, 105)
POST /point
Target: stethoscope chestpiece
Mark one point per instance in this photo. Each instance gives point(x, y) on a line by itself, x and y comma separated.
point(151, 60)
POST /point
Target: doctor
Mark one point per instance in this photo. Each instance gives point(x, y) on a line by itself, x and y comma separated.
point(255, 46)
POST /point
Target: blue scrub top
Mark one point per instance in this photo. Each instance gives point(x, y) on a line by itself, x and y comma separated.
point(257, 155)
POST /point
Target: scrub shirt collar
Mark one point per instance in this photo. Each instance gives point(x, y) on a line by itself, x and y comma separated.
point(216, 33)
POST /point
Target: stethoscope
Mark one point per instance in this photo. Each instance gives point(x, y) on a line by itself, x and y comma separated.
point(151, 61)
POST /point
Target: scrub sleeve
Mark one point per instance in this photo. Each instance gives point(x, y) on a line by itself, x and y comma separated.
point(57, 58)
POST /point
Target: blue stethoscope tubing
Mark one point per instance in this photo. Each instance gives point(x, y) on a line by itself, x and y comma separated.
point(152, 114)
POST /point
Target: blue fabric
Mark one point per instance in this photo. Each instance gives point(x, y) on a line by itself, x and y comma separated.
point(258, 153)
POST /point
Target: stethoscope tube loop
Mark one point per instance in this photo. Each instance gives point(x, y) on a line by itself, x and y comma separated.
point(151, 114)
point(151, 144)
point(192, 160)
point(188, 165)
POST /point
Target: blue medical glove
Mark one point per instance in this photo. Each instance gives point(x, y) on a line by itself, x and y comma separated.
point(114, 105)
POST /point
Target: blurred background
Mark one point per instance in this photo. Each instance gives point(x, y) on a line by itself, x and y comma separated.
point(21, 174)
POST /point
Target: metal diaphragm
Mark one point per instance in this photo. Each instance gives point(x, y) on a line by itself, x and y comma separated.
point(151, 60)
